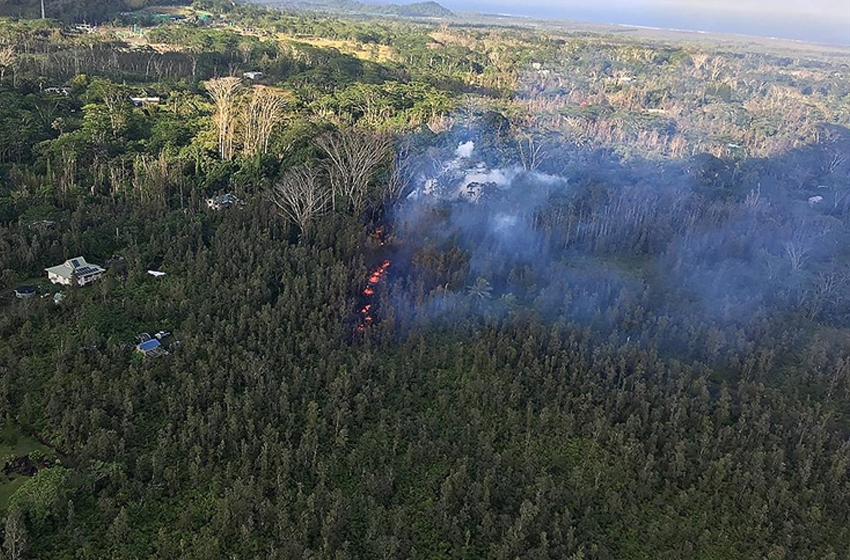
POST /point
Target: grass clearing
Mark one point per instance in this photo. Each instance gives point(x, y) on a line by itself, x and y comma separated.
point(364, 51)
point(14, 443)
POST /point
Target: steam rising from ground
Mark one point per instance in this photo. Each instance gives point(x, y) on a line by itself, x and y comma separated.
point(464, 178)
point(673, 240)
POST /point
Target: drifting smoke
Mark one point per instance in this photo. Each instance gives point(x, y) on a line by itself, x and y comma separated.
point(467, 179)
point(616, 244)
point(464, 149)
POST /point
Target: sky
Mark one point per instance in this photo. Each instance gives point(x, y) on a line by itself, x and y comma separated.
point(818, 21)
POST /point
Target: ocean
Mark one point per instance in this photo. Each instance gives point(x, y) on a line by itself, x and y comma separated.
point(825, 30)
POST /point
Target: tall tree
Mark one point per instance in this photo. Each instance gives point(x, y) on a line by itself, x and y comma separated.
point(259, 118)
point(301, 195)
point(225, 94)
point(16, 541)
point(7, 60)
point(353, 158)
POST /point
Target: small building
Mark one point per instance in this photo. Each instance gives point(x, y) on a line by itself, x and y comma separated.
point(253, 76)
point(42, 225)
point(222, 201)
point(150, 348)
point(24, 292)
point(162, 335)
point(63, 91)
point(142, 101)
point(156, 273)
point(74, 271)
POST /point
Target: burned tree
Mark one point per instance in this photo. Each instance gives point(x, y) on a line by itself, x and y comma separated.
point(353, 158)
point(225, 94)
point(259, 118)
point(301, 195)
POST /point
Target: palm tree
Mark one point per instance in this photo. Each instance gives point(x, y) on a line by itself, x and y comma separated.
point(480, 289)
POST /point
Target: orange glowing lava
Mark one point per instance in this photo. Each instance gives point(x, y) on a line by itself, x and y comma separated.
point(375, 277)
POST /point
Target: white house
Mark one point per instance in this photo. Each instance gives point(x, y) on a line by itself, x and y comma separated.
point(74, 271)
point(254, 76)
point(142, 101)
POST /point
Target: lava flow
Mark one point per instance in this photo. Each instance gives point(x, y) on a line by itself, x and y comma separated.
point(375, 278)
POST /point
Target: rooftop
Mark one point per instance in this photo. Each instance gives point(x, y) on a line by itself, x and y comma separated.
point(76, 267)
point(149, 345)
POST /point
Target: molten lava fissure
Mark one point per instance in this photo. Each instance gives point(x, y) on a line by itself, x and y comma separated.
point(375, 277)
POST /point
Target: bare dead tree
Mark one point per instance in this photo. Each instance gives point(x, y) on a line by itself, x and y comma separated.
point(153, 178)
point(16, 541)
point(840, 196)
point(116, 109)
point(827, 292)
point(798, 253)
point(700, 59)
point(803, 241)
point(835, 155)
point(302, 195)
point(753, 199)
point(400, 174)
point(7, 60)
point(66, 177)
point(353, 158)
point(259, 118)
point(225, 94)
point(531, 153)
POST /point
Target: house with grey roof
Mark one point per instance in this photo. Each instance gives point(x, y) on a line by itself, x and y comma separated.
point(74, 271)
point(223, 201)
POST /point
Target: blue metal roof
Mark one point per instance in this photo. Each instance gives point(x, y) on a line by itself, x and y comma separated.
point(149, 345)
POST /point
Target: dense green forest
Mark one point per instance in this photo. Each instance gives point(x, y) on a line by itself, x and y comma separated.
point(477, 292)
point(73, 11)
